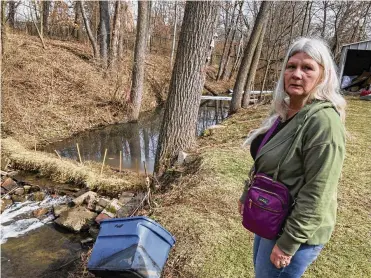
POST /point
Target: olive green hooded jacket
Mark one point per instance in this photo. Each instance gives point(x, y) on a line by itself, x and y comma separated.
point(314, 141)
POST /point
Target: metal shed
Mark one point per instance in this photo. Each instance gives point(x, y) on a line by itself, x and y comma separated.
point(355, 58)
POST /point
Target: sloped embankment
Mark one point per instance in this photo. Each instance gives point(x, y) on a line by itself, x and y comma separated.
point(54, 93)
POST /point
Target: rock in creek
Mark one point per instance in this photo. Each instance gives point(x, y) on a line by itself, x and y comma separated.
point(76, 219)
point(112, 208)
point(58, 209)
point(9, 184)
point(5, 203)
point(87, 198)
point(102, 216)
point(19, 191)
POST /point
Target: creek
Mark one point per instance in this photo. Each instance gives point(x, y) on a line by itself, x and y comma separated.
point(137, 142)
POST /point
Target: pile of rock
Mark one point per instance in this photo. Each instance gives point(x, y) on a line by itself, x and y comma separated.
point(88, 210)
point(82, 213)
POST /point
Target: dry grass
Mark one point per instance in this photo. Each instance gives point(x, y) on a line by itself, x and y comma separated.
point(54, 93)
point(201, 208)
point(68, 171)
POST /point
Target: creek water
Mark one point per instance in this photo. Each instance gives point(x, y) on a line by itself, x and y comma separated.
point(137, 142)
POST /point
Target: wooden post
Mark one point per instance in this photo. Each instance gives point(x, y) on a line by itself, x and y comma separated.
point(120, 160)
point(104, 160)
point(78, 151)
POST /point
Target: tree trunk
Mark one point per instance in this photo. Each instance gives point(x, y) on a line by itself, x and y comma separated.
point(3, 28)
point(76, 33)
point(1, 39)
point(224, 54)
point(104, 32)
point(248, 56)
point(139, 60)
point(45, 17)
point(225, 73)
point(11, 14)
point(251, 78)
point(304, 19)
point(115, 34)
point(93, 42)
point(178, 128)
point(324, 19)
point(174, 37)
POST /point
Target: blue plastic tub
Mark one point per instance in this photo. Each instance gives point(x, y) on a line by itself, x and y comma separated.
point(130, 247)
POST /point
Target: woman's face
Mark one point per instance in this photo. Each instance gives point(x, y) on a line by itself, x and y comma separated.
point(302, 74)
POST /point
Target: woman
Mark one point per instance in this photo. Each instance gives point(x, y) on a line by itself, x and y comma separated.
point(309, 144)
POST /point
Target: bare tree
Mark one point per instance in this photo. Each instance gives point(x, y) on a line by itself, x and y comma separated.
point(92, 39)
point(178, 128)
point(254, 65)
point(76, 32)
point(115, 34)
point(248, 56)
point(45, 17)
point(139, 60)
point(104, 32)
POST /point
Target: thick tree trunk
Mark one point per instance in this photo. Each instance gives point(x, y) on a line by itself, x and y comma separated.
point(248, 56)
point(305, 18)
point(178, 128)
point(136, 93)
point(104, 32)
point(251, 78)
point(93, 42)
point(115, 34)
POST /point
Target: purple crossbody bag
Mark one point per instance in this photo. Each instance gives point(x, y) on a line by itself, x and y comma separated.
point(268, 201)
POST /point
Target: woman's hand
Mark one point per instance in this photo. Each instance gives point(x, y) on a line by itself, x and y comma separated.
point(279, 258)
point(240, 207)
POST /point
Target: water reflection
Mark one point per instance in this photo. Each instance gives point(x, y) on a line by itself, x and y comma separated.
point(137, 142)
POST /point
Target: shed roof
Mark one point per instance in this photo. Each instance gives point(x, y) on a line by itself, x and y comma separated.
point(362, 45)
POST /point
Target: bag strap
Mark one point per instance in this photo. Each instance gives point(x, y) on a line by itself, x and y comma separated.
point(268, 134)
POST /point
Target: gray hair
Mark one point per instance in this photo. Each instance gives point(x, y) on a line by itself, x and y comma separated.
point(328, 89)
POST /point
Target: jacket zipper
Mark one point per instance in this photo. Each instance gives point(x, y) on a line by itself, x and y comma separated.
point(270, 193)
point(271, 210)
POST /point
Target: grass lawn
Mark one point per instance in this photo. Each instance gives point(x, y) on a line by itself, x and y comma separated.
point(201, 208)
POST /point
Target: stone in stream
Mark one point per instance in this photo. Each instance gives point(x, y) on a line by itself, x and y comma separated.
point(58, 209)
point(27, 188)
point(76, 219)
point(102, 216)
point(18, 198)
point(112, 208)
point(86, 198)
point(9, 184)
point(39, 196)
point(103, 202)
point(19, 191)
point(5, 203)
point(94, 231)
point(39, 213)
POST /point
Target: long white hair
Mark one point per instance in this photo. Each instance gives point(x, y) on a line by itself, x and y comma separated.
point(327, 89)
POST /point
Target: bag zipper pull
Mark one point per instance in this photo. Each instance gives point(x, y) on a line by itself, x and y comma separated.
point(250, 202)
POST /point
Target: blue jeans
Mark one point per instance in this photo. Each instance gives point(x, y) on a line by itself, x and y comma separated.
point(299, 262)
